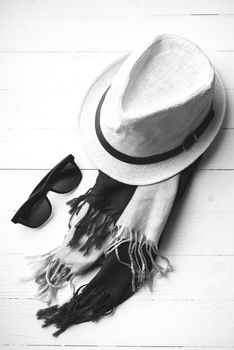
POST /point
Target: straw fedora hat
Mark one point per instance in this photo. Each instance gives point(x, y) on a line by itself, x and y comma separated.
point(153, 112)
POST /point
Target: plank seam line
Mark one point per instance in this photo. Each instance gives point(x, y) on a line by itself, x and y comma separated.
point(117, 16)
point(125, 346)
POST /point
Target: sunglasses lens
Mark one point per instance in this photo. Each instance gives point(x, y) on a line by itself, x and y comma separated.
point(67, 179)
point(37, 214)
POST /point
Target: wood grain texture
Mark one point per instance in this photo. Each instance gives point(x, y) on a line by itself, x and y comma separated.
point(102, 33)
point(113, 347)
point(50, 52)
point(136, 323)
point(84, 8)
point(75, 71)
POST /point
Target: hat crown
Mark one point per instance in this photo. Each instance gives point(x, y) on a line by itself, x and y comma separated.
point(161, 93)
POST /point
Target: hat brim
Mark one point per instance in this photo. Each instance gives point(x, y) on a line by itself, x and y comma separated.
point(148, 173)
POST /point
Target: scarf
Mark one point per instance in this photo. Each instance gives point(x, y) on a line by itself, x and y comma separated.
point(123, 224)
point(92, 221)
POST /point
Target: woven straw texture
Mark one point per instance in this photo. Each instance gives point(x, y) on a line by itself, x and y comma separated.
point(193, 99)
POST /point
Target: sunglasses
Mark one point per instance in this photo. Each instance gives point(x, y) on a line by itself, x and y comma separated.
point(63, 178)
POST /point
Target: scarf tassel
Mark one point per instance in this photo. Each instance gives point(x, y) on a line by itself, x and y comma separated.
point(50, 275)
point(96, 224)
point(89, 305)
point(77, 202)
point(142, 257)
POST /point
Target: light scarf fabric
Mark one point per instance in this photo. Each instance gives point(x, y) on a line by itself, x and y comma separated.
point(142, 224)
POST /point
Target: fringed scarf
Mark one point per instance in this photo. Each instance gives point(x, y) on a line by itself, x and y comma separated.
point(124, 224)
point(91, 225)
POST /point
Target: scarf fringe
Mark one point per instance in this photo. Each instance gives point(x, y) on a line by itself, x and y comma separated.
point(77, 202)
point(89, 303)
point(96, 225)
point(50, 276)
point(139, 244)
point(51, 273)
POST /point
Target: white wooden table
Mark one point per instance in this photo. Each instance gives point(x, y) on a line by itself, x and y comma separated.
point(50, 51)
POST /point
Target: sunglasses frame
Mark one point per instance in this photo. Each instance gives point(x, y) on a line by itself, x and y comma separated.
point(43, 187)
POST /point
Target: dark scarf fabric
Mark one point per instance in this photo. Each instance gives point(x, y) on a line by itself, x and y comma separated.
point(113, 283)
point(108, 198)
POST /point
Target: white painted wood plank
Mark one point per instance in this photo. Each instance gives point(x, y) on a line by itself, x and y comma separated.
point(37, 148)
point(194, 278)
point(201, 225)
point(52, 71)
point(42, 109)
point(135, 323)
point(83, 8)
point(103, 33)
point(113, 347)
point(75, 71)
point(57, 109)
